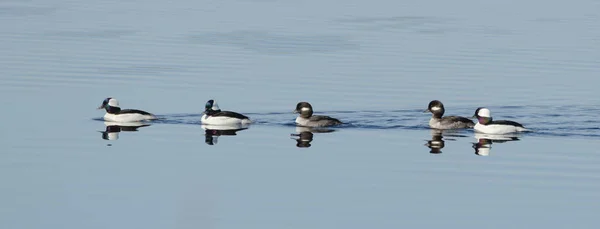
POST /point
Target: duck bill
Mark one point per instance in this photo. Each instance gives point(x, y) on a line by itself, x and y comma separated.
point(295, 111)
point(425, 111)
point(100, 107)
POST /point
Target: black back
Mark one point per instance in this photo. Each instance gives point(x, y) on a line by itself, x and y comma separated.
point(458, 119)
point(505, 122)
point(117, 110)
point(323, 118)
point(133, 111)
point(457, 122)
point(227, 114)
point(216, 113)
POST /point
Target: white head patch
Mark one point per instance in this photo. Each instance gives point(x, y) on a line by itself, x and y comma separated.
point(305, 109)
point(436, 108)
point(484, 112)
point(215, 106)
point(113, 103)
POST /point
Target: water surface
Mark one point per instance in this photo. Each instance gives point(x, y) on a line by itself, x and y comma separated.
point(375, 65)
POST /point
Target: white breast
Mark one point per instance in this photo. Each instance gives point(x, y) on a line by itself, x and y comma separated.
point(303, 121)
point(223, 120)
point(225, 127)
point(497, 129)
point(130, 117)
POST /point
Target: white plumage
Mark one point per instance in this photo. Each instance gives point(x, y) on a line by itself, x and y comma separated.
point(497, 128)
point(484, 112)
point(128, 117)
point(114, 113)
point(223, 120)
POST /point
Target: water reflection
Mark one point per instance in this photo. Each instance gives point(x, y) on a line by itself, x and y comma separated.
point(114, 128)
point(304, 135)
point(437, 143)
point(484, 142)
point(212, 132)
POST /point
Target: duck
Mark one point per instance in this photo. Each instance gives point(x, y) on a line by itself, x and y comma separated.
point(214, 116)
point(485, 123)
point(307, 119)
point(114, 113)
point(437, 120)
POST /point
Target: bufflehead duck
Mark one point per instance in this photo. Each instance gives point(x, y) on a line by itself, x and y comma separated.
point(116, 114)
point(487, 126)
point(449, 122)
point(306, 117)
point(214, 116)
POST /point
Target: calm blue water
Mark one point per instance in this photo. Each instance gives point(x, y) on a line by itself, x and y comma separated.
point(373, 64)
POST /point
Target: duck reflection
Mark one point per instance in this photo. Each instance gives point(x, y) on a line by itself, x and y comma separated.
point(212, 132)
point(113, 129)
point(437, 143)
point(304, 135)
point(484, 142)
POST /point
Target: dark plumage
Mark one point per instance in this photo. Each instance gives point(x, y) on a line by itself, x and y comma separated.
point(437, 120)
point(303, 139)
point(505, 122)
point(226, 114)
point(436, 144)
point(490, 121)
point(306, 117)
point(116, 114)
point(214, 115)
point(130, 111)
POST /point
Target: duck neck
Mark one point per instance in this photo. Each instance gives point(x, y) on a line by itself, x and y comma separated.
point(484, 120)
point(113, 110)
point(437, 115)
point(211, 111)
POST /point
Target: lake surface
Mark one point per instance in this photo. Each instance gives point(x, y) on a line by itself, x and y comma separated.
point(373, 64)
